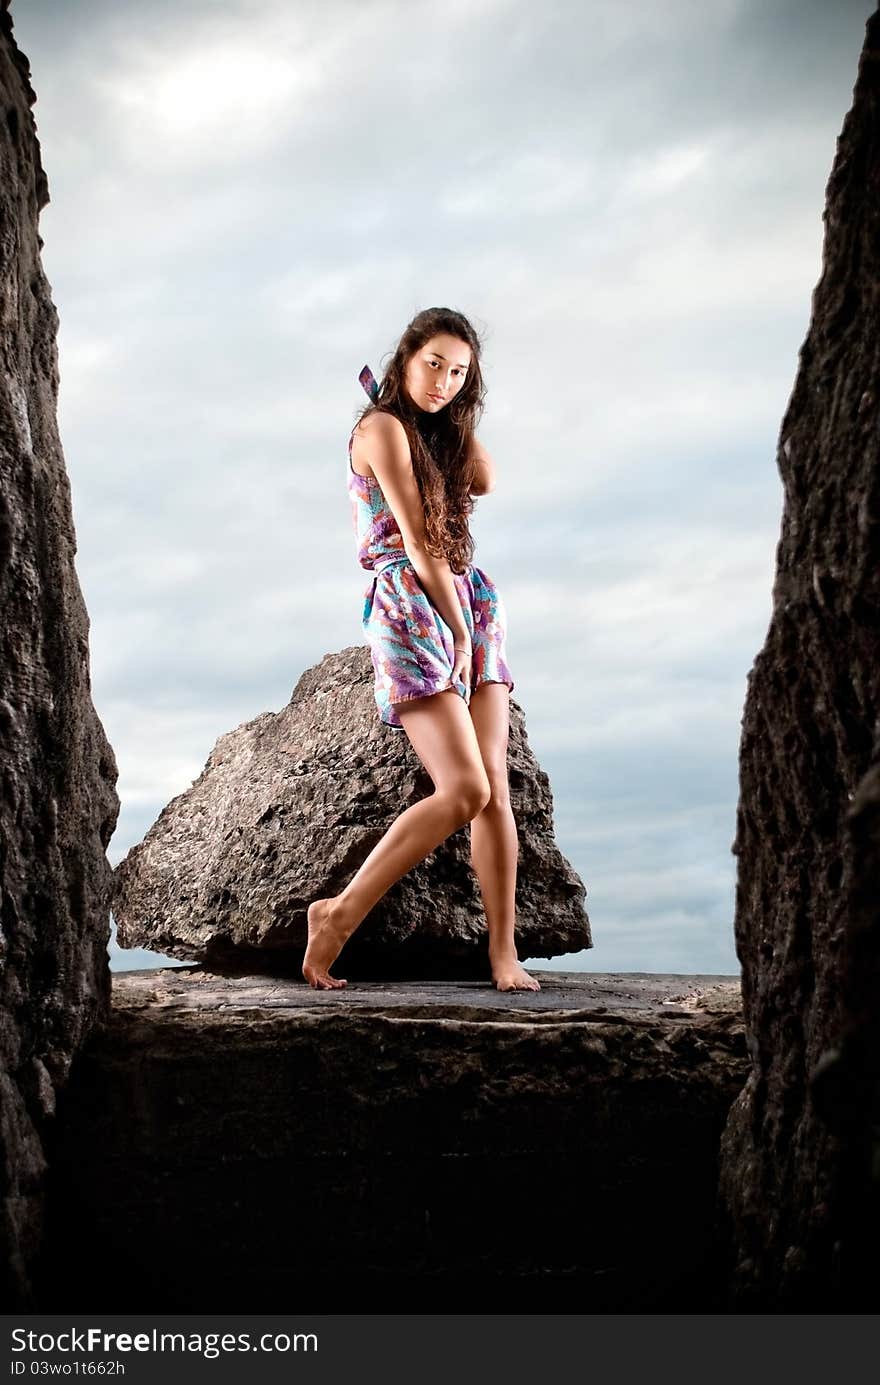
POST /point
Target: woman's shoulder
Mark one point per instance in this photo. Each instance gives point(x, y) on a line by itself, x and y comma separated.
point(375, 425)
point(379, 423)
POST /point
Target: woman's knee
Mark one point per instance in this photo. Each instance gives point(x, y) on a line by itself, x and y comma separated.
point(466, 796)
point(471, 793)
point(500, 791)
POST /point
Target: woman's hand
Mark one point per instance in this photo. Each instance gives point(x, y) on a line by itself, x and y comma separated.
point(461, 668)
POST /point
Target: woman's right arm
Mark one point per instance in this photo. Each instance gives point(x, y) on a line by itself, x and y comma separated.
point(385, 448)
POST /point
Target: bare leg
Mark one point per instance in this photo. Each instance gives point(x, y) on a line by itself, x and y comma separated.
point(442, 735)
point(494, 842)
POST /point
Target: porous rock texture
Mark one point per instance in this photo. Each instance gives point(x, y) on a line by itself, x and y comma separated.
point(802, 1137)
point(59, 806)
point(285, 810)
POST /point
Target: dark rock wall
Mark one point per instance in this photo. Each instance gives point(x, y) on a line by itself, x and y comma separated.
point(58, 806)
point(797, 1149)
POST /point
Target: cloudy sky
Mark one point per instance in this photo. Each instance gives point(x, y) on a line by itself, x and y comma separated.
point(249, 200)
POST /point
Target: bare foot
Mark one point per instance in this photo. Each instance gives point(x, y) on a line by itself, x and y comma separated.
point(510, 975)
point(324, 946)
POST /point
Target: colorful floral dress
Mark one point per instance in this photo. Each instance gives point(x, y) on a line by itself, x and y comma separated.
point(411, 645)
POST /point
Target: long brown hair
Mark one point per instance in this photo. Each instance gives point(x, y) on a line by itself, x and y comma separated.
point(441, 444)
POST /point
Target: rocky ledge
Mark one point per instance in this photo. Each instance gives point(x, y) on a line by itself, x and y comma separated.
point(249, 1144)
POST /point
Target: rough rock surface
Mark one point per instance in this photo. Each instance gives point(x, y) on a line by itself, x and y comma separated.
point(58, 806)
point(285, 810)
point(797, 1157)
point(249, 1144)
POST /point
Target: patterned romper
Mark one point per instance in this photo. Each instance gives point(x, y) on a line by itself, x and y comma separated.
point(410, 642)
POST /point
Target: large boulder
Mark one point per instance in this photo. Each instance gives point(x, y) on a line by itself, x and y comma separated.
point(59, 806)
point(800, 1159)
point(285, 810)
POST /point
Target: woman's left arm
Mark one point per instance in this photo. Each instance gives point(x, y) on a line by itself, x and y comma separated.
point(484, 481)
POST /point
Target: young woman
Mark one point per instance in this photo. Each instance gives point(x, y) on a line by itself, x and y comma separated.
point(436, 629)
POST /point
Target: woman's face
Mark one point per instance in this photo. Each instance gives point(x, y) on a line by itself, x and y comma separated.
point(436, 372)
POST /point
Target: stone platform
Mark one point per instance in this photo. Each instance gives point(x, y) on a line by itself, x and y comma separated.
point(249, 1144)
